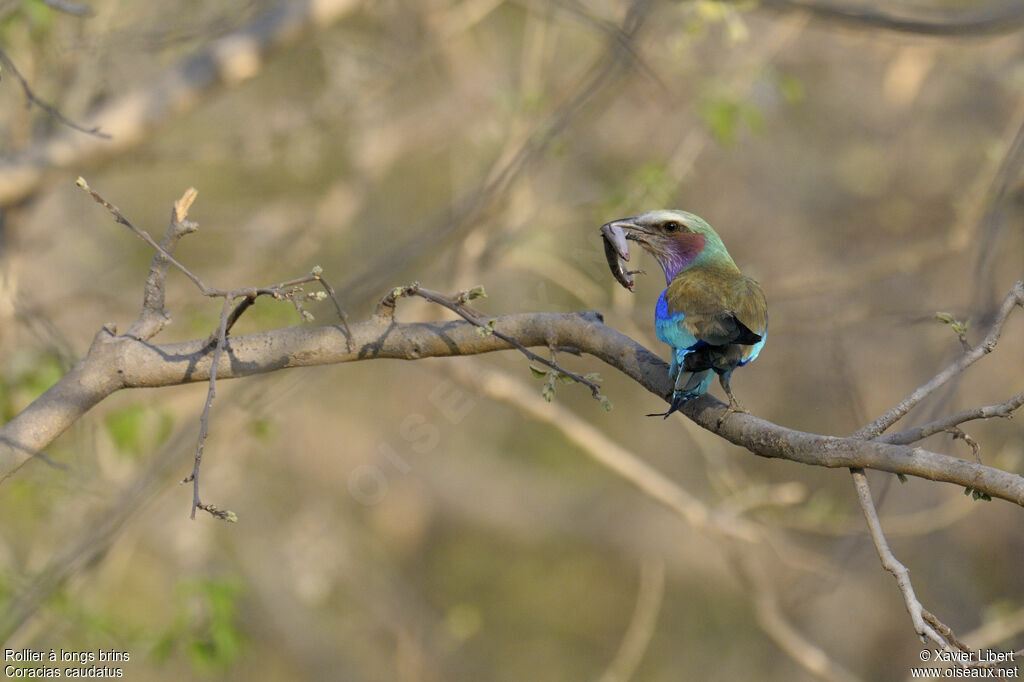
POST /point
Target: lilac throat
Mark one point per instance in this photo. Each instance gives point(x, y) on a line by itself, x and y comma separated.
point(680, 251)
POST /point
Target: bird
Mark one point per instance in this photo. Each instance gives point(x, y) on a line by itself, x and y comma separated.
point(713, 317)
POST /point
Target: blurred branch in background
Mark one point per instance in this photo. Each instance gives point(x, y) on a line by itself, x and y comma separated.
point(517, 156)
point(386, 535)
point(116, 362)
point(138, 109)
point(751, 545)
point(999, 16)
point(31, 98)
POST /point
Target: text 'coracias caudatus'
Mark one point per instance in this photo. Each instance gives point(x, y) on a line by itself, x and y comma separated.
point(714, 317)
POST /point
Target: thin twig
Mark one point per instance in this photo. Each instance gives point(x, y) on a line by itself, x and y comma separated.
point(1013, 299)
point(996, 17)
point(204, 420)
point(31, 99)
point(289, 290)
point(960, 434)
point(342, 315)
point(153, 316)
point(457, 304)
point(891, 563)
point(1004, 409)
point(144, 236)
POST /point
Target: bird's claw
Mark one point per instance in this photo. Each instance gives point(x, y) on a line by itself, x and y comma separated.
point(734, 407)
point(731, 409)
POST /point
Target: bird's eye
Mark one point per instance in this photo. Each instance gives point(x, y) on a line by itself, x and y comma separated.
point(671, 226)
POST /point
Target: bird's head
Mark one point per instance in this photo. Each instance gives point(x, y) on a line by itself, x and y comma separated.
point(676, 239)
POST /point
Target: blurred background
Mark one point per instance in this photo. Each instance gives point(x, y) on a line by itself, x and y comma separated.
point(437, 520)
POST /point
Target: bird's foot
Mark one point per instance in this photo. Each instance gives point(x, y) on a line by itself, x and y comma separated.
point(734, 406)
point(678, 399)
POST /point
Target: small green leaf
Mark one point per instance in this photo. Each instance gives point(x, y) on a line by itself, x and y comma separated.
point(547, 391)
point(902, 478)
point(487, 329)
point(945, 318)
point(476, 292)
point(593, 376)
point(564, 378)
point(605, 403)
point(537, 372)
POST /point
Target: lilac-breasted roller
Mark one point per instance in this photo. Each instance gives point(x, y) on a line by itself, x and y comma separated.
point(714, 317)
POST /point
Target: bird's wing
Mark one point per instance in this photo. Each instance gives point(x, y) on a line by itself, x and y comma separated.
point(718, 307)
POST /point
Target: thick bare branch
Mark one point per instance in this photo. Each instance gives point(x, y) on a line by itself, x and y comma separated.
point(117, 362)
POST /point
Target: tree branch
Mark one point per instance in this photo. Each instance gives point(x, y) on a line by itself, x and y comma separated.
point(1004, 409)
point(997, 17)
point(891, 563)
point(117, 362)
point(1013, 299)
point(127, 119)
point(31, 98)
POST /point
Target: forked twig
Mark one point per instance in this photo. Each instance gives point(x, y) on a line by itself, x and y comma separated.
point(926, 624)
point(458, 304)
point(153, 317)
point(881, 424)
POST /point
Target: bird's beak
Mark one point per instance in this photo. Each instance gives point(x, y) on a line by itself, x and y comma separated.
point(631, 229)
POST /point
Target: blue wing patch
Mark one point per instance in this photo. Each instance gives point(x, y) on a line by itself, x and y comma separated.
point(669, 331)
